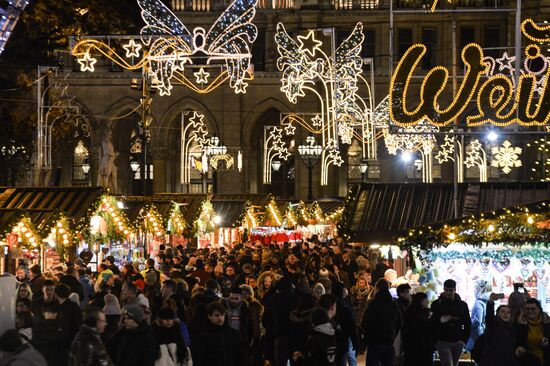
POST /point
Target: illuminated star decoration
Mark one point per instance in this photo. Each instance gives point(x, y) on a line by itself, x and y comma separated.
point(446, 150)
point(309, 44)
point(476, 156)
point(506, 62)
point(506, 157)
point(132, 49)
point(202, 76)
point(87, 62)
point(290, 129)
point(317, 121)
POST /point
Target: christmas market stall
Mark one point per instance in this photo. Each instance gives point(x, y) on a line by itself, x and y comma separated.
point(275, 223)
point(105, 231)
point(236, 215)
point(45, 225)
point(503, 247)
point(318, 219)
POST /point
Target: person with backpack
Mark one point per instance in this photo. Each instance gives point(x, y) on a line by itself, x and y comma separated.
point(151, 276)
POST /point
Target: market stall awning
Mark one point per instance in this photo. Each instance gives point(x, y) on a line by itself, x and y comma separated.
point(191, 203)
point(134, 205)
point(378, 212)
point(41, 203)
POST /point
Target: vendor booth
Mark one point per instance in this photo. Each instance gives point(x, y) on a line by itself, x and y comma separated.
point(503, 247)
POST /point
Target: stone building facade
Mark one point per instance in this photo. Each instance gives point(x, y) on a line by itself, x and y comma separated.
point(106, 98)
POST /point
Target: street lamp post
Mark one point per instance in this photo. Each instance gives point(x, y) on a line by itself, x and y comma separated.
point(310, 154)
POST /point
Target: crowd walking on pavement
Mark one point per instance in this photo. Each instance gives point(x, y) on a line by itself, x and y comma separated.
point(305, 304)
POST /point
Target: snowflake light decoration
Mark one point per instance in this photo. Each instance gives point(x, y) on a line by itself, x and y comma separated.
point(506, 157)
point(168, 47)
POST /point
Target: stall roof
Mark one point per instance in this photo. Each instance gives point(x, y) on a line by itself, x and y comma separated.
point(134, 205)
point(191, 203)
point(41, 203)
point(381, 211)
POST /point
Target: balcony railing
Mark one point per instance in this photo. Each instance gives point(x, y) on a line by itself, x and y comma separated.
point(214, 5)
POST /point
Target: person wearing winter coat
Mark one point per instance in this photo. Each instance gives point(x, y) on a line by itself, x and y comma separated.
point(452, 324)
point(380, 322)
point(533, 333)
point(173, 351)
point(87, 349)
point(347, 339)
point(498, 343)
point(218, 344)
point(482, 292)
point(300, 323)
point(136, 343)
point(320, 347)
point(359, 295)
point(49, 335)
point(15, 352)
point(418, 343)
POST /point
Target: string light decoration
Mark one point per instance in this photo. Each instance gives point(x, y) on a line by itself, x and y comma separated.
point(61, 237)
point(27, 235)
point(290, 217)
point(307, 68)
point(510, 226)
point(446, 154)
point(409, 139)
point(496, 98)
point(274, 147)
point(273, 214)
point(118, 227)
point(204, 224)
point(171, 52)
point(506, 157)
point(194, 137)
point(476, 156)
point(151, 221)
point(176, 221)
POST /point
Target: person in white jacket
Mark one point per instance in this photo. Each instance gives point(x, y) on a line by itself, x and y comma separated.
point(173, 351)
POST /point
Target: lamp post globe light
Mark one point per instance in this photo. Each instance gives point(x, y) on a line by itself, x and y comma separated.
point(310, 153)
point(363, 167)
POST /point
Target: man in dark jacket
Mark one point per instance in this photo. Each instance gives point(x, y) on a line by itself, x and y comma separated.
point(380, 323)
point(237, 315)
point(69, 311)
point(15, 352)
point(320, 347)
point(218, 345)
point(277, 317)
point(136, 343)
point(87, 347)
point(37, 281)
point(452, 324)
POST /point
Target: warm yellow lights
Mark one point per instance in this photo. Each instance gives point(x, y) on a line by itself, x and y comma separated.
point(491, 228)
point(87, 62)
point(451, 236)
point(530, 220)
point(499, 100)
point(506, 157)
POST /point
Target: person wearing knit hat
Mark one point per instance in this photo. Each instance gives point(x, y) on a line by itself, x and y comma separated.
point(16, 352)
point(112, 306)
point(132, 313)
point(136, 343)
point(113, 313)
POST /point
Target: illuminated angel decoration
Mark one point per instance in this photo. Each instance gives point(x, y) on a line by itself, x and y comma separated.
point(335, 81)
point(172, 50)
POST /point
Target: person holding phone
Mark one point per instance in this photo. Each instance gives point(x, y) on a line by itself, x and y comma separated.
point(533, 332)
point(498, 341)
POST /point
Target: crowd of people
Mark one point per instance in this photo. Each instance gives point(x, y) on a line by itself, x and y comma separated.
point(254, 305)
